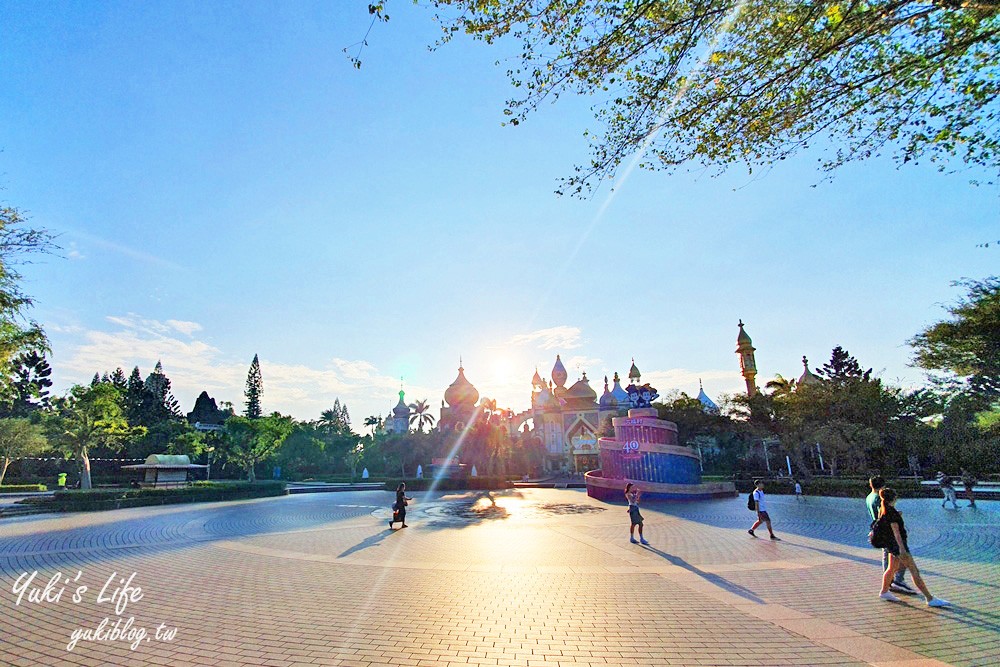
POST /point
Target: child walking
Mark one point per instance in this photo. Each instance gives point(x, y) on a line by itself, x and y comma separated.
point(762, 515)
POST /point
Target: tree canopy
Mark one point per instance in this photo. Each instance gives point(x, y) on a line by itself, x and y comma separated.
point(17, 333)
point(968, 345)
point(718, 82)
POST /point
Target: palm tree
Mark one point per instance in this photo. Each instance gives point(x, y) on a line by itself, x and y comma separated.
point(374, 421)
point(328, 419)
point(420, 412)
point(780, 386)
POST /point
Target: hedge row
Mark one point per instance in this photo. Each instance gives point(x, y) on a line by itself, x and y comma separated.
point(841, 488)
point(22, 488)
point(467, 484)
point(198, 492)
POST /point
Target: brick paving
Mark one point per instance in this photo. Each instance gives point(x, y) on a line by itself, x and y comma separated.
point(545, 579)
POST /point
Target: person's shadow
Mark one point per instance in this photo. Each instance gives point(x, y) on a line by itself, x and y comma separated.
point(714, 579)
point(372, 541)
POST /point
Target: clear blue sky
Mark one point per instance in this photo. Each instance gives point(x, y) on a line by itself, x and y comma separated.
point(225, 184)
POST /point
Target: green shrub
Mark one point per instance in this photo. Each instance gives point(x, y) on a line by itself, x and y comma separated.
point(22, 488)
point(106, 499)
point(839, 487)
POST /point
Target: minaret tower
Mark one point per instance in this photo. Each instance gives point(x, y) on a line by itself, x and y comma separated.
point(748, 367)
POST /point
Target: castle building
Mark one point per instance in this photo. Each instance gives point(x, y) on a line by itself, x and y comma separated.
point(461, 398)
point(398, 420)
point(567, 420)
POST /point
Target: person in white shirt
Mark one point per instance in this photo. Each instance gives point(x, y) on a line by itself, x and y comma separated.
point(762, 515)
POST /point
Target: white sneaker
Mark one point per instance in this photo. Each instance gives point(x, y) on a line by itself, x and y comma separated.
point(889, 597)
point(938, 602)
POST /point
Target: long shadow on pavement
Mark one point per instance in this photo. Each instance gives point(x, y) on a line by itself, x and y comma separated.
point(373, 541)
point(714, 579)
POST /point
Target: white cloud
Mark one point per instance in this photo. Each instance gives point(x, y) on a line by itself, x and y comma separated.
point(194, 366)
point(74, 252)
point(184, 327)
point(561, 337)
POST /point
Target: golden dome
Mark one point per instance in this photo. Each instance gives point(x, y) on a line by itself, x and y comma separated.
point(461, 392)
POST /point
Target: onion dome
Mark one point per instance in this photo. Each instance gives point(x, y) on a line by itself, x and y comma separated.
point(608, 399)
point(559, 374)
point(620, 394)
point(743, 338)
point(807, 376)
point(401, 409)
point(581, 391)
point(461, 391)
point(633, 373)
point(536, 381)
point(707, 404)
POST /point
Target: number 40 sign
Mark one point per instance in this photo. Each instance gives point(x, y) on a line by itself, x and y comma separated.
point(630, 449)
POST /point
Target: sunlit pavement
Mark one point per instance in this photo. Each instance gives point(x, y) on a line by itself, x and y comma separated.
point(546, 577)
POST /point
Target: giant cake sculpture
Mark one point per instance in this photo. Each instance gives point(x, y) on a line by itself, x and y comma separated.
point(645, 452)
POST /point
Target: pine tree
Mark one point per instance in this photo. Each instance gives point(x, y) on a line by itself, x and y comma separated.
point(119, 381)
point(96, 381)
point(160, 404)
point(254, 390)
point(135, 398)
point(843, 369)
point(29, 382)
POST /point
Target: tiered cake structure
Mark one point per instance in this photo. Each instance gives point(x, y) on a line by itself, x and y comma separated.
point(645, 452)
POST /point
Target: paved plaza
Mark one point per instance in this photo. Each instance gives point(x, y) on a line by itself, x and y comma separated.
point(545, 578)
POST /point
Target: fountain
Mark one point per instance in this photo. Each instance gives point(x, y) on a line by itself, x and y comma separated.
point(645, 452)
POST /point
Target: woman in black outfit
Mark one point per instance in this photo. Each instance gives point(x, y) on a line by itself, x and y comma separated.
point(899, 551)
point(399, 507)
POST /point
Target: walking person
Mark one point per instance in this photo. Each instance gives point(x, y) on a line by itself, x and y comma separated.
point(399, 507)
point(874, 504)
point(947, 489)
point(632, 496)
point(969, 481)
point(761, 505)
point(798, 492)
point(899, 551)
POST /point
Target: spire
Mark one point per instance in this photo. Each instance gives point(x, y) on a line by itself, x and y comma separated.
point(707, 404)
point(559, 374)
point(807, 377)
point(536, 380)
point(748, 365)
point(633, 373)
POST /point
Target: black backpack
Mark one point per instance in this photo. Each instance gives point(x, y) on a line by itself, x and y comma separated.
point(751, 503)
point(880, 535)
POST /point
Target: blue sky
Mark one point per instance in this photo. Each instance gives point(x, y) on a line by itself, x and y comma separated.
point(225, 184)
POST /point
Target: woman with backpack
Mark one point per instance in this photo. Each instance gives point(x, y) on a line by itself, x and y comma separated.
point(890, 530)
